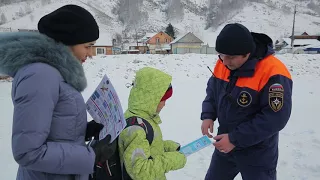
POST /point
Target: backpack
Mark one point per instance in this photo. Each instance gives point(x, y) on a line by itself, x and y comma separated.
point(112, 169)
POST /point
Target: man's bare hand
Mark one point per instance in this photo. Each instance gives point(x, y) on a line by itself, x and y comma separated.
point(207, 124)
point(223, 143)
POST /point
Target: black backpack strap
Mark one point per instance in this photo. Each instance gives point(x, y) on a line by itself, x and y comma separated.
point(137, 121)
point(113, 169)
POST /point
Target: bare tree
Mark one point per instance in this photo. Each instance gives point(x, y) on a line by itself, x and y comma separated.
point(286, 9)
point(129, 12)
point(118, 39)
point(314, 7)
point(255, 0)
point(20, 13)
point(4, 2)
point(45, 2)
point(220, 11)
point(3, 19)
point(214, 15)
point(31, 17)
point(175, 9)
point(28, 9)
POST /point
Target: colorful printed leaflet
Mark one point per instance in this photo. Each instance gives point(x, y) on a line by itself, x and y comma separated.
point(104, 107)
point(196, 145)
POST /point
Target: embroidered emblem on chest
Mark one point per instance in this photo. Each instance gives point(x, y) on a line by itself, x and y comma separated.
point(244, 99)
point(276, 97)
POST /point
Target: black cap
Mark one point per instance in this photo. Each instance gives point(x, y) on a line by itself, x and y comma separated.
point(235, 39)
point(70, 24)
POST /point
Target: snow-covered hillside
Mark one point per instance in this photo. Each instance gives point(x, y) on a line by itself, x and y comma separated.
point(299, 141)
point(273, 17)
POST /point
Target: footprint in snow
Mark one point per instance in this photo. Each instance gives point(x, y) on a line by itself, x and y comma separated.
point(310, 169)
point(283, 163)
point(297, 154)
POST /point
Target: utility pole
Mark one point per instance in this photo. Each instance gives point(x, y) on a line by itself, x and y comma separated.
point(135, 29)
point(294, 20)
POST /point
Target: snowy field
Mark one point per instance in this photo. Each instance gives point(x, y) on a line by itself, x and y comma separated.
point(299, 141)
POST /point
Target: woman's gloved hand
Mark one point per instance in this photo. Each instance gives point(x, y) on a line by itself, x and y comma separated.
point(93, 130)
point(104, 149)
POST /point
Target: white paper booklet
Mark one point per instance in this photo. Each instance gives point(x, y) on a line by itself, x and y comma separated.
point(105, 108)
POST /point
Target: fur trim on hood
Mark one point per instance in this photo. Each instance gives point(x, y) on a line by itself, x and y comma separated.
point(18, 49)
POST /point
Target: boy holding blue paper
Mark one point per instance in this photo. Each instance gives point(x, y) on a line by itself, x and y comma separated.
point(142, 158)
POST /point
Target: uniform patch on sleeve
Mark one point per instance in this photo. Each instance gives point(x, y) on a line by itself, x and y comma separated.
point(244, 99)
point(276, 92)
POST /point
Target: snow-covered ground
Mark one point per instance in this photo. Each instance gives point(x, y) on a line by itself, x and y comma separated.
point(299, 141)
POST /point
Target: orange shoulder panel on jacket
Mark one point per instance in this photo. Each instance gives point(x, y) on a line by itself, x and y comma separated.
point(221, 72)
point(265, 69)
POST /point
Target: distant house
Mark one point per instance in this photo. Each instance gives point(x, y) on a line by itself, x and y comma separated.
point(206, 49)
point(299, 41)
point(310, 49)
point(146, 38)
point(141, 49)
point(103, 45)
point(159, 43)
point(187, 43)
point(4, 77)
point(134, 48)
point(190, 43)
point(286, 43)
point(28, 30)
point(305, 35)
point(4, 29)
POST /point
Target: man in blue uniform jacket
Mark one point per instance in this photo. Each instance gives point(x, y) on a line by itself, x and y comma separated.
point(250, 93)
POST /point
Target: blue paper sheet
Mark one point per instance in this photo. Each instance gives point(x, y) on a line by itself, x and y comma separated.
point(196, 145)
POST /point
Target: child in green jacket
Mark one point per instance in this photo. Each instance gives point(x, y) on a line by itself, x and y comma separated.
point(141, 160)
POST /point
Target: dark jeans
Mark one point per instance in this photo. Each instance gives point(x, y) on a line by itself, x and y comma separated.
point(224, 167)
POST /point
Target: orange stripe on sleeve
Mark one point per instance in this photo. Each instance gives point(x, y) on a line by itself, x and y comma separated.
point(265, 69)
point(221, 72)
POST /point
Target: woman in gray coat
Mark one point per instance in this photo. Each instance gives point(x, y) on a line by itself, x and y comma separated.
point(50, 119)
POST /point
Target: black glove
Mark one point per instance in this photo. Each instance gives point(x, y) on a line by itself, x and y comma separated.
point(93, 130)
point(104, 149)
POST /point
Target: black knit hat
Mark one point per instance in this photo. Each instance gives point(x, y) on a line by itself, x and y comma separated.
point(70, 25)
point(235, 39)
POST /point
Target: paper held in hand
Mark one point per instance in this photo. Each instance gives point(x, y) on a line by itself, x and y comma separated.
point(105, 108)
point(196, 145)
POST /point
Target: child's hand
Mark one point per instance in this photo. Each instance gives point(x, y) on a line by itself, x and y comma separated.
point(178, 160)
point(171, 146)
point(178, 149)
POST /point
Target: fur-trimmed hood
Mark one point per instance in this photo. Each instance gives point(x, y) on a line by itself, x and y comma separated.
point(18, 49)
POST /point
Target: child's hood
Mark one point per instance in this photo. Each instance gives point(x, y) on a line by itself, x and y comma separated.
point(148, 88)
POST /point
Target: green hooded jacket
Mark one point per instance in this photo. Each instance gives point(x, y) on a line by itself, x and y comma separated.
point(141, 160)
